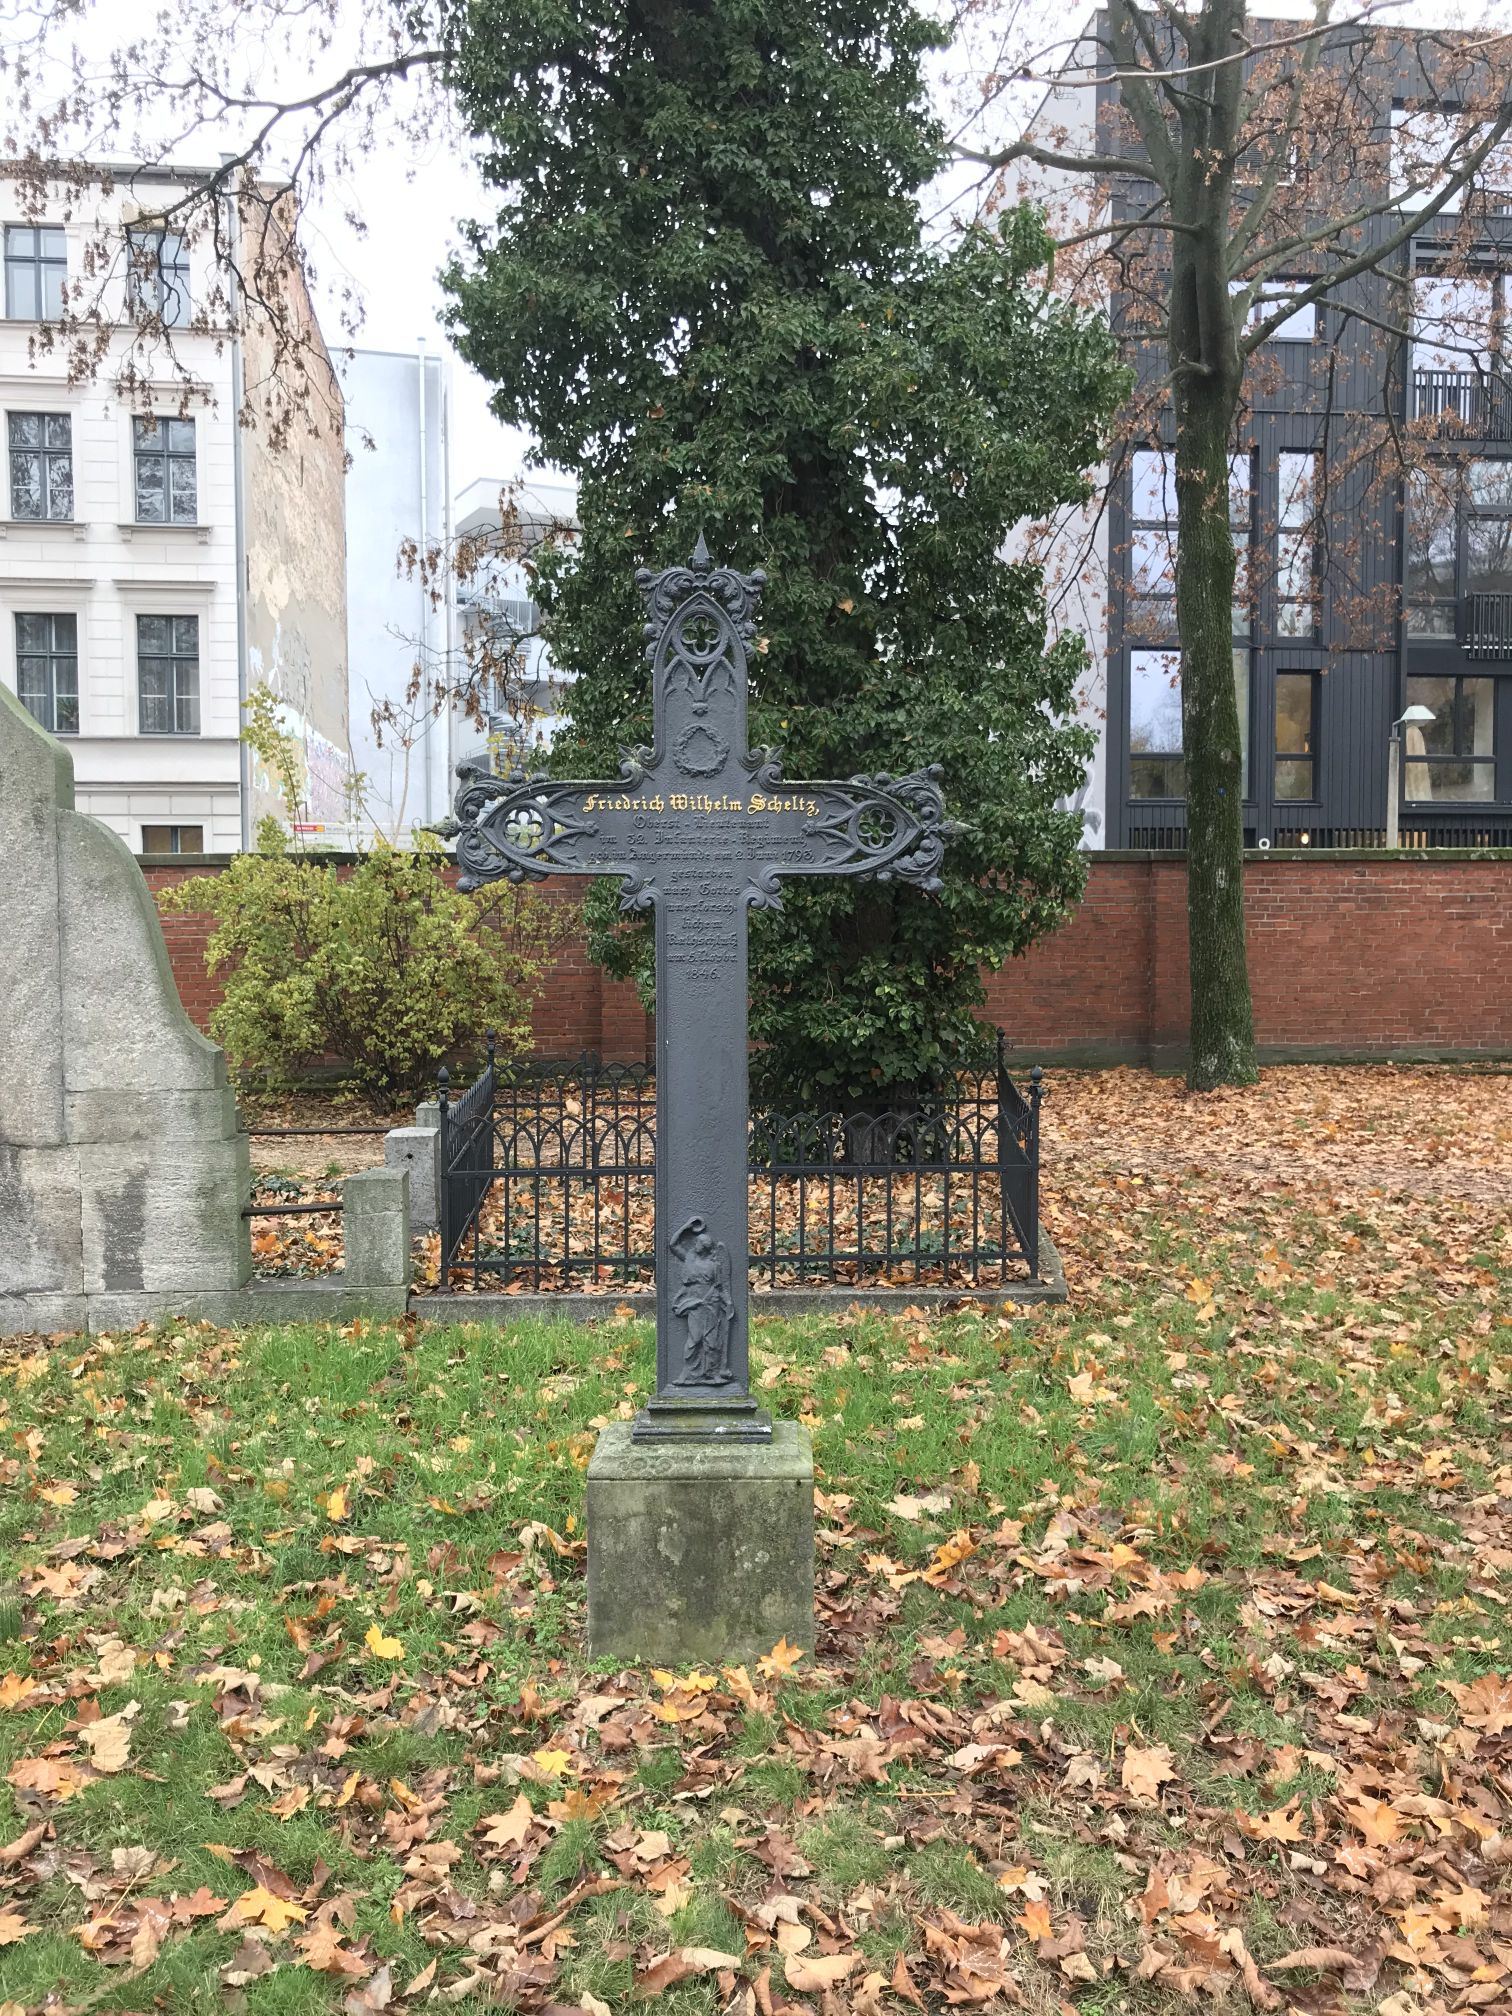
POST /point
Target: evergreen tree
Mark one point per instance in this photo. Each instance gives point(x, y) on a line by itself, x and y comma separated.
point(708, 293)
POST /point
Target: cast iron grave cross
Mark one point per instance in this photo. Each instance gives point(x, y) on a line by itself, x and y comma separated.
point(701, 830)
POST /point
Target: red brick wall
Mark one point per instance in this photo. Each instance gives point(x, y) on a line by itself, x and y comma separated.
point(1349, 955)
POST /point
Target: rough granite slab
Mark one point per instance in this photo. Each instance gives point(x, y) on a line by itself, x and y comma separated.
point(702, 1551)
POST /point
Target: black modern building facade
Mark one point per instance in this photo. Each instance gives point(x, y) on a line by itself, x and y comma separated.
point(1371, 501)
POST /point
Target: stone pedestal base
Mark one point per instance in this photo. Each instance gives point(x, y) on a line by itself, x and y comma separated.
point(700, 1552)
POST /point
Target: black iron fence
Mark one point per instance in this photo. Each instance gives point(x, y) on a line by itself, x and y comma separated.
point(548, 1173)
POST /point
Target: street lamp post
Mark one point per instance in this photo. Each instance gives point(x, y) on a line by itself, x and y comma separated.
point(1414, 717)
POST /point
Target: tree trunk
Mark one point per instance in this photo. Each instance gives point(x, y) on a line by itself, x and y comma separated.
point(1223, 1032)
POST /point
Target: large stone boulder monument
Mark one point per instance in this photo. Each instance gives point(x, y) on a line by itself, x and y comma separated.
point(122, 1174)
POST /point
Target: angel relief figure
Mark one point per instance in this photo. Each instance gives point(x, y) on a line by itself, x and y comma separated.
point(705, 1298)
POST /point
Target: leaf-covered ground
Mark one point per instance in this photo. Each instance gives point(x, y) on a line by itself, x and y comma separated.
point(1164, 1645)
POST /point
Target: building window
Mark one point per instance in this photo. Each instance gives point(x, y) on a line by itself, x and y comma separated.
point(1157, 767)
point(1297, 546)
point(168, 674)
point(1151, 607)
point(1461, 350)
point(157, 276)
point(1152, 544)
point(1296, 735)
point(166, 490)
point(1459, 540)
point(1451, 759)
point(173, 839)
point(1301, 326)
point(47, 671)
point(36, 266)
point(41, 465)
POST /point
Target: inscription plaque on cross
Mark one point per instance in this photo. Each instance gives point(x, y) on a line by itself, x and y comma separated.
point(702, 830)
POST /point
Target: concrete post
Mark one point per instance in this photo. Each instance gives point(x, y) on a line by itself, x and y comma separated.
point(376, 1228)
point(417, 1149)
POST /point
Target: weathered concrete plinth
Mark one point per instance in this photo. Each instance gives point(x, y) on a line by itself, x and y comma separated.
point(700, 1552)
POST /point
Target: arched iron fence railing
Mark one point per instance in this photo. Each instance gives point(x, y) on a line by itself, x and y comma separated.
point(548, 1182)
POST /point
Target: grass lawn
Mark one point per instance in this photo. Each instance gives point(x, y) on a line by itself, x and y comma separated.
point(1164, 1639)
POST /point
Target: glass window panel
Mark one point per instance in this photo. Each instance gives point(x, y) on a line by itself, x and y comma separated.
point(1299, 327)
point(153, 687)
point(1430, 532)
point(1460, 783)
point(26, 430)
point(1154, 494)
point(1477, 714)
point(183, 489)
point(1153, 560)
point(186, 635)
point(58, 430)
point(1242, 701)
point(181, 437)
point(1294, 566)
point(60, 486)
point(1431, 619)
point(52, 245)
point(1240, 478)
point(1296, 620)
point(1488, 556)
point(1152, 617)
point(22, 292)
point(1489, 484)
point(26, 486)
point(153, 633)
point(65, 633)
point(31, 690)
point(187, 712)
point(1243, 592)
point(31, 633)
point(52, 292)
point(1294, 777)
point(151, 488)
point(1154, 703)
point(20, 241)
point(1295, 699)
point(1296, 476)
point(1157, 777)
point(1452, 317)
point(1435, 737)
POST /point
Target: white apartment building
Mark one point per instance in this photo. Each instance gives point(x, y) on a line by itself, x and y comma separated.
point(157, 559)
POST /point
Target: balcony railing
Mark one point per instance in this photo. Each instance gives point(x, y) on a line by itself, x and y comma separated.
point(1485, 626)
point(1465, 403)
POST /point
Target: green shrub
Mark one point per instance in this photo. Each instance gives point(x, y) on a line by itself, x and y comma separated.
point(382, 964)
